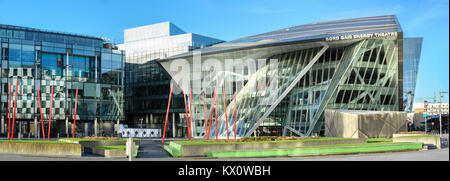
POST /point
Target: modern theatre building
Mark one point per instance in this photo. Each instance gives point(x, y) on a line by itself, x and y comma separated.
point(275, 83)
point(285, 79)
point(42, 59)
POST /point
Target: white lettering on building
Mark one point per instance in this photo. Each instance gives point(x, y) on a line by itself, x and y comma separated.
point(359, 36)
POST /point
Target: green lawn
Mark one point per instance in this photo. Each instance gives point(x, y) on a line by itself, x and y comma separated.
point(84, 139)
point(212, 142)
point(319, 150)
point(341, 145)
point(378, 140)
point(35, 141)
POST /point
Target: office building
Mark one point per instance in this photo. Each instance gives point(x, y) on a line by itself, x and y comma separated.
point(42, 59)
point(147, 85)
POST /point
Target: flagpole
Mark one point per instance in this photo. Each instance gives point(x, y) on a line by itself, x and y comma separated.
point(75, 114)
point(40, 110)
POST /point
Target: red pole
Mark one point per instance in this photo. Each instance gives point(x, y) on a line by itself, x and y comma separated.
point(217, 135)
point(50, 118)
point(204, 110)
point(235, 105)
point(190, 111)
point(9, 112)
point(40, 109)
point(226, 116)
point(75, 115)
point(14, 111)
point(167, 113)
point(210, 118)
point(187, 117)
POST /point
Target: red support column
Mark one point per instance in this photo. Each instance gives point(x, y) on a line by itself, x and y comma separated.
point(187, 117)
point(40, 110)
point(217, 129)
point(50, 117)
point(167, 113)
point(75, 115)
point(235, 105)
point(210, 118)
point(9, 112)
point(225, 107)
point(14, 111)
point(204, 110)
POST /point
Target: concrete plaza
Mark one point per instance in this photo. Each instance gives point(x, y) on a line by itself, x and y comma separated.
point(151, 150)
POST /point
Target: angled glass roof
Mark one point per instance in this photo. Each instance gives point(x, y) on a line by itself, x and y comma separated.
point(312, 31)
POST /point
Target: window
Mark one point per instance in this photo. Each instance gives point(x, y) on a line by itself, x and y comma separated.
point(2, 33)
point(116, 61)
point(14, 64)
point(28, 53)
point(78, 61)
point(49, 59)
point(15, 52)
point(106, 61)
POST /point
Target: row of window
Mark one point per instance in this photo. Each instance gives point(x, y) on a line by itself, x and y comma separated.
point(75, 74)
point(26, 53)
point(50, 37)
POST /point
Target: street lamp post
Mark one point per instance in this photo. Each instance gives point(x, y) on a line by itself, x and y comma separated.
point(425, 110)
point(440, 113)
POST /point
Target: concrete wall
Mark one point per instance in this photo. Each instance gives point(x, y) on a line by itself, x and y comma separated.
point(342, 124)
point(41, 149)
point(109, 153)
point(434, 140)
point(85, 144)
point(364, 124)
point(401, 135)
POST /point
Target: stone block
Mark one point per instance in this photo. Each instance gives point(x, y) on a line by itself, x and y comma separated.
point(364, 124)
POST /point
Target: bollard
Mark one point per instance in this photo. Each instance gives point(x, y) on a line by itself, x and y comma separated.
point(130, 148)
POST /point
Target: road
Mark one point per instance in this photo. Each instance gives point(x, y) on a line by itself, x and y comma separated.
point(150, 150)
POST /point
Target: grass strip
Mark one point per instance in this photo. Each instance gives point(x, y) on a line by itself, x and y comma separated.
point(214, 142)
point(377, 140)
point(35, 141)
point(173, 149)
point(341, 145)
point(84, 139)
point(316, 150)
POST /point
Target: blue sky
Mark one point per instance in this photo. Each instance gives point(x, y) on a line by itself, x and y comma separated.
point(232, 19)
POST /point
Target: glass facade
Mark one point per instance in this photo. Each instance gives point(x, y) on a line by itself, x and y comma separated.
point(41, 59)
point(411, 52)
point(357, 66)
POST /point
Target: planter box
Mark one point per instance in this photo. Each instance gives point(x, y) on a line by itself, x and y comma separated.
point(109, 153)
point(41, 149)
point(308, 151)
point(434, 140)
point(94, 143)
point(404, 134)
point(177, 150)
